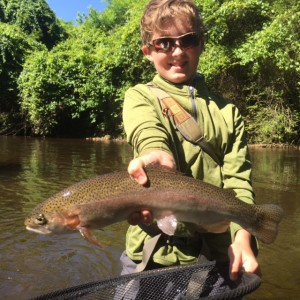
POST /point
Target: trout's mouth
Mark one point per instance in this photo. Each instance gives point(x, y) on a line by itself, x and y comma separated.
point(41, 230)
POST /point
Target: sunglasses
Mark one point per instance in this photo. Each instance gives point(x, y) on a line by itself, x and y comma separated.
point(167, 44)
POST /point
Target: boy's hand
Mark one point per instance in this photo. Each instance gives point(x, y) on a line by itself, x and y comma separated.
point(154, 157)
point(241, 256)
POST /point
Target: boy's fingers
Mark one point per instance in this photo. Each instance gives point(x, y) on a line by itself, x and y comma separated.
point(136, 171)
point(140, 176)
point(157, 157)
point(144, 216)
point(234, 265)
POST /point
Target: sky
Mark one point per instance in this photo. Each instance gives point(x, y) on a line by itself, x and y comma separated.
point(69, 9)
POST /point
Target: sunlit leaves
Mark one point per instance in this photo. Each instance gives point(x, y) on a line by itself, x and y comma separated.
point(252, 56)
point(77, 85)
point(33, 17)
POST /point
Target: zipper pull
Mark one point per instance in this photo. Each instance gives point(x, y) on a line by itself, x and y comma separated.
point(192, 97)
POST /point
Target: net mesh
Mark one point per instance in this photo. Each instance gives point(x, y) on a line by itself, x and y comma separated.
point(197, 281)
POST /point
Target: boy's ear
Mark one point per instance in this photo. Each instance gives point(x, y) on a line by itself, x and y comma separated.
point(147, 52)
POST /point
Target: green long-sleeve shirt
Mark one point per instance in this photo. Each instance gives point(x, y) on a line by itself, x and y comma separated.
point(148, 128)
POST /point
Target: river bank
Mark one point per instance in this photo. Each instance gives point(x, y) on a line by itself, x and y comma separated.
point(108, 138)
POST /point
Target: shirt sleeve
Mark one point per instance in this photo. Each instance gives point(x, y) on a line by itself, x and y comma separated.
point(237, 165)
point(142, 122)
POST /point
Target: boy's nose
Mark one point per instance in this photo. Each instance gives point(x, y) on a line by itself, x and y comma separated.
point(177, 49)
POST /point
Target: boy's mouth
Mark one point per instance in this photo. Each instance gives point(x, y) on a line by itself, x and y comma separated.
point(178, 65)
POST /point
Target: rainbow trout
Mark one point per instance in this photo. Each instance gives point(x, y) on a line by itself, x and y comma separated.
point(106, 199)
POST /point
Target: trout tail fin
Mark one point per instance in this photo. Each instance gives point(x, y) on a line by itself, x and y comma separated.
point(268, 216)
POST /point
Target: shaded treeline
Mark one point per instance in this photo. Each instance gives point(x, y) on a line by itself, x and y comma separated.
point(61, 79)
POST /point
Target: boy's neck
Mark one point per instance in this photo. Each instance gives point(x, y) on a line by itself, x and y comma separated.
point(190, 82)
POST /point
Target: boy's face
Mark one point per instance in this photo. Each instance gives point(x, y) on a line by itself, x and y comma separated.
point(177, 66)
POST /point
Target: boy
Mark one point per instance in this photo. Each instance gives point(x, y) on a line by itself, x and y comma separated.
point(173, 39)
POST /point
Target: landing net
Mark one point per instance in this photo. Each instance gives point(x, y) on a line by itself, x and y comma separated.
point(208, 280)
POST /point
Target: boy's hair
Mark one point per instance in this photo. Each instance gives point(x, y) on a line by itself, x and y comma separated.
point(159, 14)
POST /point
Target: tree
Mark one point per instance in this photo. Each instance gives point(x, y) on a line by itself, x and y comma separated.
point(60, 88)
point(25, 27)
point(272, 59)
point(33, 17)
point(82, 80)
point(114, 15)
point(252, 57)
point(15, 45)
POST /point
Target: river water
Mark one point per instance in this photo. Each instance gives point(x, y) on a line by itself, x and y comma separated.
point(33, 169)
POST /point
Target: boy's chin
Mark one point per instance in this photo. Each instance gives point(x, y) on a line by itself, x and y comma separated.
point(179, 78)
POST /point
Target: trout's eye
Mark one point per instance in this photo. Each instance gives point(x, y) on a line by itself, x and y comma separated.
point(40, 220)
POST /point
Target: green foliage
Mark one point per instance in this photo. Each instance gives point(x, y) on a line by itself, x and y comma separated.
point(229, 22)
point(83, 80)
point(15, 45)
point(77, 85)
point(272, 60)
point(107, 20)
point(127, 54)
point(33, 17)
point(24, 27)
point(273, 124)
point(60, 89)
point(252, 57)
point(277, 42)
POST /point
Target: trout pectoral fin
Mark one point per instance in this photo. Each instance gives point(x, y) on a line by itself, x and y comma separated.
point(73, 220)
point(70, 218)
point(86, 233)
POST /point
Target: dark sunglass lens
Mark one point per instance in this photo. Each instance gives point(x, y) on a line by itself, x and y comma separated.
point(190, 40)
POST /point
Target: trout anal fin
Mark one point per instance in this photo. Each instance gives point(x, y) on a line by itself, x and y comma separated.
point(86, 233)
